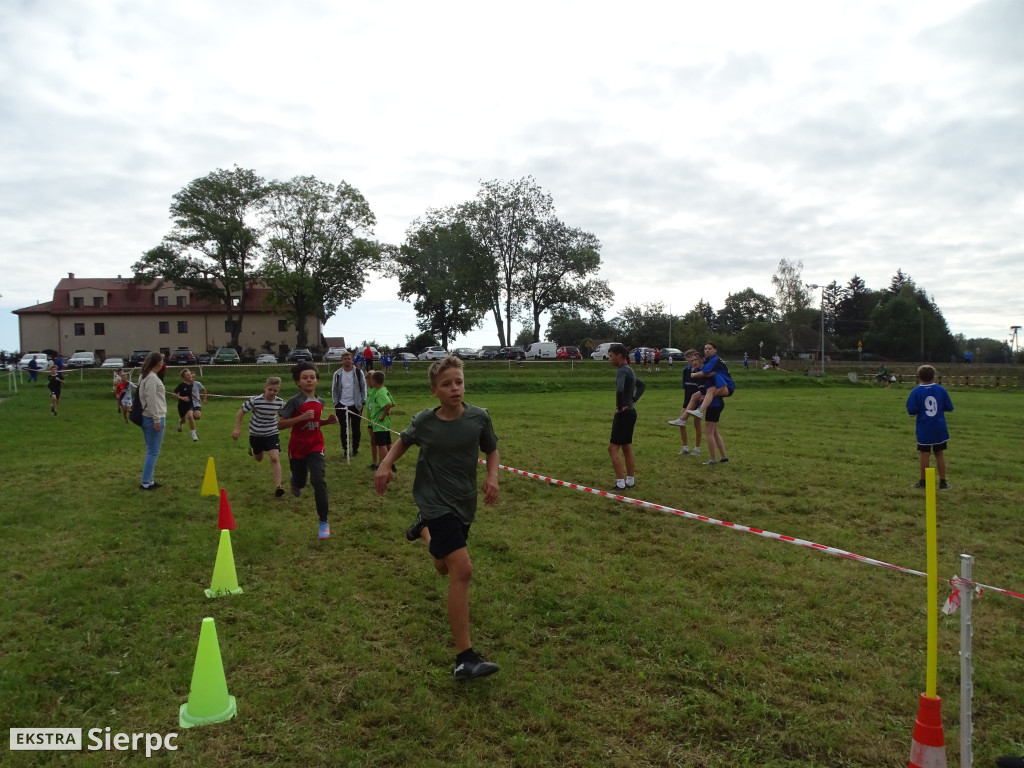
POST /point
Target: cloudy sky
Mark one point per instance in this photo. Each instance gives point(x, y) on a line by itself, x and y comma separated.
point(701, 142)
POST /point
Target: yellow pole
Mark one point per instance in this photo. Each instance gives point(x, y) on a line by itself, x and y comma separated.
point(933, 582)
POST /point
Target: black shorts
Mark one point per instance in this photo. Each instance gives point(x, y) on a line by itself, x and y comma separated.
point(184, 408)
point(931, 448)
point(714, 413)
point(622, 427)
point(447, 534)
point(382, 438)
point(263, 443)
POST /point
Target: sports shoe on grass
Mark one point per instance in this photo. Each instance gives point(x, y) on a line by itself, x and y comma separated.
point(723, 460)
point(696, 414)
point(710, 461)
point(325, 531)
point(677, 423)
point(467, 670)
point(918, 484)
point(296, 492)
point(179, 426)
point(696, 451)
point(195, 437)
point(149, 487)
point(412, 533)
point(943, 485)
point(685, 450)
point(279, 491)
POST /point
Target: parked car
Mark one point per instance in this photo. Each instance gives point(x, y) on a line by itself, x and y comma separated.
point(226, 355)
point(568, 353)
point(266, 358)
point(113, 362)
point(541, 350)
point(42, 360)
point(512, 353)
point(645, 353)
point(181, 356)
point(83, 360)
point(671, 353)
point(433, 353)
point(137, 357)
point(465, 353)
point(300, 355)
point(489, 353)
point(601, 353)
point(204, 358)
point(403, 356)
point(333, 354)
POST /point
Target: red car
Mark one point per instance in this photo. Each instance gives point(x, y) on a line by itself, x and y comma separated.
point(568, 353)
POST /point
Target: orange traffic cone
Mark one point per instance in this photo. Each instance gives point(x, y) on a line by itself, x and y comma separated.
point(928, 750)
point(225, 521)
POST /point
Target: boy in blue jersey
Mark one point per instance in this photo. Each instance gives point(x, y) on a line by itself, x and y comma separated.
point(930, 403)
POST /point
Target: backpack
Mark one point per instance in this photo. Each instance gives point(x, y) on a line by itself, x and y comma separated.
point(135, 414)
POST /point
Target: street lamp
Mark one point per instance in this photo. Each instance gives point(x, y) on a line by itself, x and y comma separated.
point(815, 286)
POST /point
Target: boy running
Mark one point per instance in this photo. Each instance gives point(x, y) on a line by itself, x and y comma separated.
point(54, 384)
point(930, 403)
point(302, 414)
point(264, 436)
point(123, 393)
point(450, 437)
point(379, 402)
point(191, 396)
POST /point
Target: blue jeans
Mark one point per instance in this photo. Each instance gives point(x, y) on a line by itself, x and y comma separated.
point(153, 440)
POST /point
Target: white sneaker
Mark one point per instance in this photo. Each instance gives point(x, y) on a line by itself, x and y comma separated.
point(710, 461)
point(696, 451)
point(195, 437)
point(677, 423)
point(696, 414)
point(685, 449)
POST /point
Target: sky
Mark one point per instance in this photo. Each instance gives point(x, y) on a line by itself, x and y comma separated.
point(700, 142)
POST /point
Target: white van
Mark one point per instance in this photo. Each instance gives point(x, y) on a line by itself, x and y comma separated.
point(541, 350)
point(601, 353)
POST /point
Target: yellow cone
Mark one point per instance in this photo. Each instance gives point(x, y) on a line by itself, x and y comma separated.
point(225, 580)
point(210, 481)
point(208, 699)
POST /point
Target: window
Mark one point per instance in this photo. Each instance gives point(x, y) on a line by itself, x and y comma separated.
point(161, 301)
point(98, 329)
point(183, 326)
point(97, 301)
point(282, 325)
point(79, 329)
point(235, 301)
point(180, 301)
point(101, 354)
point(78, 302)
point(165, 326)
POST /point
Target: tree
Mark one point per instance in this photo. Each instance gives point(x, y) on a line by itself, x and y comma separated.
point(745, 307)
point(909, 327)
point(425, 339)
point(644, 325)
point(569, 328)
point(444, 267)
point(853, 312)
point(555, 270)
point(213, 247)
point(504, 218)
point(318, 251)
point(792, 296)
point(899, 280)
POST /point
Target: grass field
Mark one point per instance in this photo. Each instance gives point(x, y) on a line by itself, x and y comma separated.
point(626, 636)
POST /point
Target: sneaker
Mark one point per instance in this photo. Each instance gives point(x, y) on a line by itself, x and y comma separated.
point(279, 491)
point(685, 450)
point(630, 482)
point(696, 414)
point(467, 670)
point(723, 460)
point(710, 461)
point(179, 426)
point(412, 533)
point(325, 531)
point(943, 485)
point(696, 451)
point(149, 487)
point(677, 423)
point(195, 438)
point(918, 484)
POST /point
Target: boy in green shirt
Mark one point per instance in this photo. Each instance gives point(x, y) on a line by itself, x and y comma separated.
point(450, 437)
point(379, 403)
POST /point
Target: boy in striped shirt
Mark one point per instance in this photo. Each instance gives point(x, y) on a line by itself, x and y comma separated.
point(263, 433)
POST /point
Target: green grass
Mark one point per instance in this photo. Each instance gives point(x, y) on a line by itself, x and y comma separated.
point(627, 636)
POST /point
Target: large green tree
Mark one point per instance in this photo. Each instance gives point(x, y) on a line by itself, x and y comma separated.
point(213, 247)
point(447, 270)
point(853, 312)
point(792, 297)
point(745, 307)
point(556, 273)
point(319, 248)
point(567, 327)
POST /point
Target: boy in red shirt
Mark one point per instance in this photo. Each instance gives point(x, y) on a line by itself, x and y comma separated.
point(306, 444)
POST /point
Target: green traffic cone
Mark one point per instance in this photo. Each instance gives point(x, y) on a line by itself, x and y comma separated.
point(225, 580)
point(208, 699)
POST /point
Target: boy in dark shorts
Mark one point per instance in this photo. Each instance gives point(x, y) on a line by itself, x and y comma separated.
point(620, 447)
point(190, 395)
point(263, 433)
point(54, 384)
point(450, 437)
point(930, 403)
point(302, 414)
point(379, 403)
